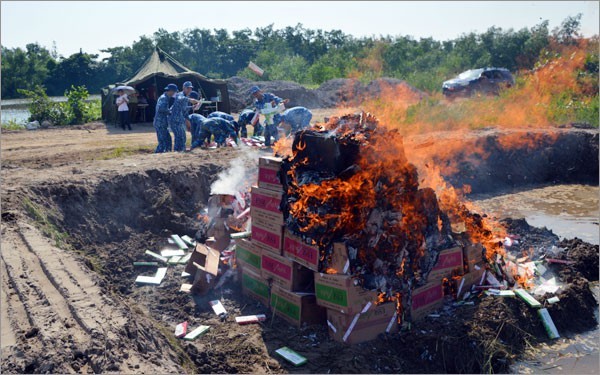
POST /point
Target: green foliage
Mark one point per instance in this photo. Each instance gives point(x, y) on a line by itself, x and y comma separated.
point(12, 124)
point(40, 107)
point(292, 53)
point(75, 111)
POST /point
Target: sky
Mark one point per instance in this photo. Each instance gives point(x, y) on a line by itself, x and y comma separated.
point(93, 26)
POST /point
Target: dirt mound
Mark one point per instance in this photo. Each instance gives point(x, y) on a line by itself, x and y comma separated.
point(330, 94)
point(585, 257)
point(299, 95)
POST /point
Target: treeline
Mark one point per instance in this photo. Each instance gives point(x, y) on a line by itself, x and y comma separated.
point(297, 54)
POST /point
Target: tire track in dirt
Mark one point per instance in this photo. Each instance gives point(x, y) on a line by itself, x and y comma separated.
point(43, 301)
point(55, 311)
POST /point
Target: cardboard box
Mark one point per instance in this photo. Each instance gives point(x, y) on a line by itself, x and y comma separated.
point(378, 319)
point(472, 255)
point(296, 308)
point(339, 262)
point(266, 202)
point(286, 273)
point(247, 255)
point(206, 257)
point(448, 261)
point(309, 255)
point(255, 286)
point(268, 173)
point(426, 299)
point(296, 249)
point(267, 236)
point(469, 279)
point(338, 292)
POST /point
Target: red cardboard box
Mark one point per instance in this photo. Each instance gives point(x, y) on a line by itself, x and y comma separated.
point(266, 202)
point(426, 299)
point(473, 255)
point(267, 235)
point(296, 249)
point(247, 255)
point(296, 308)
point(268, 169)
point(338, 292)
point(378, 319)
point(255, 286)
point(448, 261)
point(286, 273)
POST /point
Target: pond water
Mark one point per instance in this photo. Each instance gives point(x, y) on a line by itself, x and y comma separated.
point(569, 211)
point(16, 109)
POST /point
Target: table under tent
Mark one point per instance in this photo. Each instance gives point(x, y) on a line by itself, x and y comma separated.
point(156, 73)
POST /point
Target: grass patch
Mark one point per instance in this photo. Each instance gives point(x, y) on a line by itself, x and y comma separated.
point(12, 124)
point(124, 151)
point(184, 359)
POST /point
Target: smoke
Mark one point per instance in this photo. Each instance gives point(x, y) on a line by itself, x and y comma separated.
point(240, 174)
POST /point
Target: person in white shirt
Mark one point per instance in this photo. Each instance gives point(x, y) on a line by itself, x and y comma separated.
point(123, 103)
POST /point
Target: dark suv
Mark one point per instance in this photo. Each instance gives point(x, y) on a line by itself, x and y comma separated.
point(484, 80)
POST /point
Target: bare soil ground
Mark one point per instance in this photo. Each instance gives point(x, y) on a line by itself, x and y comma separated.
point(80, 205)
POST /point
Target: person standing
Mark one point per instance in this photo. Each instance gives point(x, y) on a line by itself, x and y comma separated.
point(178, 115)
point(271, 119)
point(160, 119)
point(123, 108)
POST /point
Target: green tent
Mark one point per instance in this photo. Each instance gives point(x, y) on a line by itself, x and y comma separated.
point(158, 71)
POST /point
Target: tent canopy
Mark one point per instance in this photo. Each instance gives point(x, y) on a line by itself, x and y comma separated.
point(158, 71)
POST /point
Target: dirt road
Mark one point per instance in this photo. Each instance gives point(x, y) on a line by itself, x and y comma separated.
point(80, 205)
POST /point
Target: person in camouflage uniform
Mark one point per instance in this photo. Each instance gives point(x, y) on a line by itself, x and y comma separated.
point(195, 123)
point(160, 119)
point(228, 117)
point(179, 113)
point(297, 118)
point(220, 128)
point(245, 119)
point(272, 121)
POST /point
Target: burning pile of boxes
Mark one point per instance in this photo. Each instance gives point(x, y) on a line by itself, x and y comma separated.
point(283, 272)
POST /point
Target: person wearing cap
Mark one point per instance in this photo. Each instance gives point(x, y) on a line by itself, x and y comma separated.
point(179, 114)
point(249, 117)
point(160, 119)
point(297, 118)
point(260, 101)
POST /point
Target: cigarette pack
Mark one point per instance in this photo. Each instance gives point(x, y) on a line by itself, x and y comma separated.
point(290, 355)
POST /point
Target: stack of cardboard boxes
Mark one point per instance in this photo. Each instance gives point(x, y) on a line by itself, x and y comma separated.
point(268, 275)
point(282, 271)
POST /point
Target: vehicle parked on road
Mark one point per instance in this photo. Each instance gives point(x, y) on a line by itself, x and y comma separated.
point(484, 80)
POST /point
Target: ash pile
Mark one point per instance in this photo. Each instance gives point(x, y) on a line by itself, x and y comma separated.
point(350, 183)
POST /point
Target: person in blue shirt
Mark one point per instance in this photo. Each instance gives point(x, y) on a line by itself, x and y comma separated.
point(223, 115)
point(297, 118)
point(219, 127)
point(195, 121)
point(245, 118)
point(160, 119)
point(272, 121)
point(228, 117)
point(179, 113)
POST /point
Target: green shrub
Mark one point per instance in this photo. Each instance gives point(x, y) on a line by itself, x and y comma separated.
point(12, 124)
point(41, 107)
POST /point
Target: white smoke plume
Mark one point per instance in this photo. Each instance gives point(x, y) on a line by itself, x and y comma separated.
point(240, 175)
